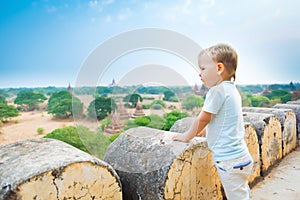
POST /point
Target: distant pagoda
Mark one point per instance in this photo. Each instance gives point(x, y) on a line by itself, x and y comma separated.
point(70, 89)
point(196, 89)
point(138, 110)
point(123, 113)
point(115, 126)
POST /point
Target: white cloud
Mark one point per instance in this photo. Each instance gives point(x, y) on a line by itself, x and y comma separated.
point(124, 14)
point(108, 19)
point(98, 5)
point(107, 2)
point(51, 9)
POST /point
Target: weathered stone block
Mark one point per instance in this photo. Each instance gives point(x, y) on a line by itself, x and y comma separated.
point(153, 166)
point(50, 169)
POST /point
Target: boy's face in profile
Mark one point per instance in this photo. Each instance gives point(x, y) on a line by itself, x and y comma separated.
point(208, 71)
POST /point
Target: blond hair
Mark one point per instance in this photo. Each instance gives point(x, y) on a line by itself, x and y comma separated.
point(223, 53)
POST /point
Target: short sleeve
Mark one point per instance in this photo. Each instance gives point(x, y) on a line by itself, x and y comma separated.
point(214, 100)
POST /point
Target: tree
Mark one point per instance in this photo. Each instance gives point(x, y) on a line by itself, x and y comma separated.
point(83, 139)
point(172, 117)
point(283, 95)
point(28, 100)
point(133, 99)
point(259, 101)
point(3, 100)
point(152, 121)
point(246, 101)
point(168, 95)
point(7, 111)
point(64, 105)
point(159, 102)
point(292, 86)
point(101, 107)
point(192, 101)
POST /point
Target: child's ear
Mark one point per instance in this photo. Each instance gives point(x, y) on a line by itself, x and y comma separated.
point(220, 68)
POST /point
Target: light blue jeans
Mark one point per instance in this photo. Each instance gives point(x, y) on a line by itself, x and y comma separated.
point(234, 176)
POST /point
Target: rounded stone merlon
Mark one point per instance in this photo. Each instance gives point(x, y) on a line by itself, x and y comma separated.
point(48, 168)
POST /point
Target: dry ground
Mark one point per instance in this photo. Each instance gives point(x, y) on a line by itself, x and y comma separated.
point(282, 182)
point(25, 126)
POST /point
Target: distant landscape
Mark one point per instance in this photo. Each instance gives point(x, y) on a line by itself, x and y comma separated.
point(54, 112)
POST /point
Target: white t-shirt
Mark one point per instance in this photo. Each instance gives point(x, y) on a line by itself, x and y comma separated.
point(225, 132)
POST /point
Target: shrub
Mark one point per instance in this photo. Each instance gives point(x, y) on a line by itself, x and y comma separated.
point(83, 139)
point(105, 122)
point(159, 102)
point(172, 117)
point(113, 137)
point(156, 122)
point(146, 106)
point(40, 130)
point(142, 121)
point(157, 107)
point(152, 121)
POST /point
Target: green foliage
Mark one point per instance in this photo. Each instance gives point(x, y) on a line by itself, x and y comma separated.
point(7, 111)
point(151, 90)
point(151, 121)
point(133, 99)
point(113, 137)
point(292, 86)
point(156, 106)
point(146, 106)
point(103, 91)
point(259, 101)
point(172, 117)
point(156, 122)
point(252, 89)
point(283, 95)
point(142, 120)
point(3, 100)
point(101, 107)
point(168, 95)
point(192, 101)
point(130, 124)
point(40, 130)
point(148, 98)
point(160, 102)
point(105, 122)
point(174, 99)
point(28, 100)
point(246, 101)
point(64, 105)
point(83, 139)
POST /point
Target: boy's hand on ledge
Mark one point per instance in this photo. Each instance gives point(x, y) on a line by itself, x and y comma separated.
point(179, 137)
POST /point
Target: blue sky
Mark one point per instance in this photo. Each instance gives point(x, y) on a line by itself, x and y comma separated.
point(45, 42)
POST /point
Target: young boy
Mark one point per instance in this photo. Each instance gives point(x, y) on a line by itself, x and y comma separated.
point(221, 120)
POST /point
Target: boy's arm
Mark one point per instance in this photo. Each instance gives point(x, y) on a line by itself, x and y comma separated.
point(203, 132)
point(198, 125)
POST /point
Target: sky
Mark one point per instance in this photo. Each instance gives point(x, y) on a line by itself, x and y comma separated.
point(48, 42)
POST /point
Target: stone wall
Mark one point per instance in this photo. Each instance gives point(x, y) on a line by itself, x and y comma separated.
point(142, 163)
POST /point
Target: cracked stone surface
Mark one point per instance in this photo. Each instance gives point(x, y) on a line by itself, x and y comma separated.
point(251, 140)
point(153, 166)
point(253, 147)
point(50, 169)
point(287, 119)
point(269, 134)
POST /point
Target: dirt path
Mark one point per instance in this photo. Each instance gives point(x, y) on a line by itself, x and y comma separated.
point(282, 182)
point(25, 126)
